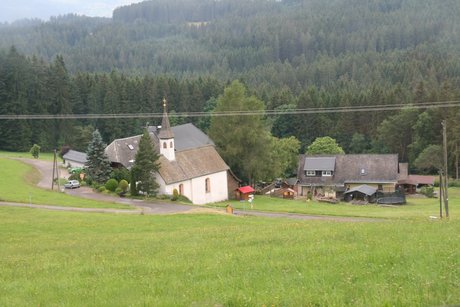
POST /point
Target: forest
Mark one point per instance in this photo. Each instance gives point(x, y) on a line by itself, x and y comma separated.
point(291, 54)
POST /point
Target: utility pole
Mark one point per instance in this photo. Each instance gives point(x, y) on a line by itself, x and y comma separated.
point(444, 141)
point(440, 193)
point(55, 173)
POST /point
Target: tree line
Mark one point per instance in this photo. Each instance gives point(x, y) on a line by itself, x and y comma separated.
point(29, 85)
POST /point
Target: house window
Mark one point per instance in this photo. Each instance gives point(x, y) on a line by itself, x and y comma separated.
point(327, 173)
point(207, 183)
point(380, 188)
point(171, 145)
point(164, 145)
point(363, 172)
point(310, 173)
point(181, 189)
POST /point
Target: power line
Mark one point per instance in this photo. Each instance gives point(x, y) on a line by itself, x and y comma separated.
point(346, 109)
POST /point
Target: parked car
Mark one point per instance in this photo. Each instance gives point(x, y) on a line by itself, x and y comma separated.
point(72, 184)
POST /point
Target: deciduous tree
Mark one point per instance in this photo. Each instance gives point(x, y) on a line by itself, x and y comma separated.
point(324, 145)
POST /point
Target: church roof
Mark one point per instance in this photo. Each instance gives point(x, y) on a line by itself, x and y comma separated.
point(195, 153)
point(192, 163)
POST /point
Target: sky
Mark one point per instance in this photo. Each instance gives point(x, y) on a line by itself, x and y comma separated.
point(11, 10)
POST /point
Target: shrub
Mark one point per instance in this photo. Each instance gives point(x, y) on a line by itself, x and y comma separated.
point(111, 184)
point(427, 191)
point(74, 177)
point(123, 185)
point(183, 199)
point(101, 189)
point(120, 174)
point(118, 190)
point(35, 151)
point(175, 195)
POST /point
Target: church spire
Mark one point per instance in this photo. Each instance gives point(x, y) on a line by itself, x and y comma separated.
point(165, 132)
point(166, 136)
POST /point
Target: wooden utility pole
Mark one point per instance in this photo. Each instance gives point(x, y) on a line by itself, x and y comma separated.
point(440, 193)
point(446, 176)
point(55, 173)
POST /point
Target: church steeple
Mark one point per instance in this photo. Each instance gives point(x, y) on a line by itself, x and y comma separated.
point(166, 135)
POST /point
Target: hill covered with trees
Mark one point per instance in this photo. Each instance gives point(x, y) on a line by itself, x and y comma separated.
point(291, 54)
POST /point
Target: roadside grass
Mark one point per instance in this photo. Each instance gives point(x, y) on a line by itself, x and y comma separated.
point(77, 259)
point(416, 208)
point(17, 184)
point(48, 156)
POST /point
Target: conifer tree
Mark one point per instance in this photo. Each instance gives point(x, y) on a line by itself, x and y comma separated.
point(145, 166)
point(97, 163)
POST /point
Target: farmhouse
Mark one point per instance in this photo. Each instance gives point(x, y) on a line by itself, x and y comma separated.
point(411, 183)
point(188, 160)
point(333, 175)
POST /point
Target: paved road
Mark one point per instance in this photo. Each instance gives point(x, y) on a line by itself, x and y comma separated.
point(143, 207)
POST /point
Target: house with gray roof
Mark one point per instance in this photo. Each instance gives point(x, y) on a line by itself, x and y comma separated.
point(333, 175)
point(74, 158)
point(189, 161)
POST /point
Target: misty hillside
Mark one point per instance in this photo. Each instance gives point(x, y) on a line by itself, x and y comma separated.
point(315, 42)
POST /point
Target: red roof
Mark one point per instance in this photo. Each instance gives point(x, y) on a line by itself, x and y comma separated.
point(246, 189)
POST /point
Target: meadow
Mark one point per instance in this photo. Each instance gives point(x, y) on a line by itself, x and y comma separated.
point(18, 184)
point(72, 259)
point(53, 258)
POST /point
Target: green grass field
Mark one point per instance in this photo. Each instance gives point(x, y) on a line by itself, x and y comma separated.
point(43, 155)
point(416, 208)
point(18, 184)
point(78, 259)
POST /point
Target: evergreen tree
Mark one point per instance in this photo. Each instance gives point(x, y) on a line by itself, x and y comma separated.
point(97, 164)
point(146, 165)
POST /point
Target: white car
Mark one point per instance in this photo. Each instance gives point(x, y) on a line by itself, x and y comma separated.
point(72, 184)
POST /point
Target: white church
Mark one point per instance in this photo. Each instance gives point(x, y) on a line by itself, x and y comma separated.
point(188, 160)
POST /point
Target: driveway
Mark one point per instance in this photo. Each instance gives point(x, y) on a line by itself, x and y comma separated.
point(46, 171)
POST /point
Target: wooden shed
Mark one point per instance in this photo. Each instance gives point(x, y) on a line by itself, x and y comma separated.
point(242, 193)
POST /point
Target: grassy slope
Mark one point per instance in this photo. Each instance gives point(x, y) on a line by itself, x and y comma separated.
point(43, 155)
point(17, 184)
point(415, 208)
point(75, 259)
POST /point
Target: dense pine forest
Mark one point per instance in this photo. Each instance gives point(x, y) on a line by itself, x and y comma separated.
point(290, 54)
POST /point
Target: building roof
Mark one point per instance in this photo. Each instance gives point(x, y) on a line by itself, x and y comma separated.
point(417, 179)
point(76, 156)
point(191, 163)
point(292, 181)
point(123, 151)
point(195, 154)
point(188, 136)
point(365, 189)
point(363, 168)
point(246, 189)
point(319, 163)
